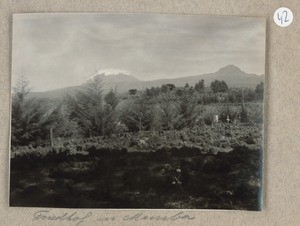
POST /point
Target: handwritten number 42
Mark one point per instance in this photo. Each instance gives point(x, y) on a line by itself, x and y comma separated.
point(280, 17)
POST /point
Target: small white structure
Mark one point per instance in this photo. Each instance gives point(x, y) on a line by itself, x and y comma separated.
point(228, 119)
point(216, 119)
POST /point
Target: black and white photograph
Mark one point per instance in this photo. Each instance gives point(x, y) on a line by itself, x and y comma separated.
point(137, 111)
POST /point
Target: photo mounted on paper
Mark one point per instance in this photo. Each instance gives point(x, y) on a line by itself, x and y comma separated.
point(137, 111)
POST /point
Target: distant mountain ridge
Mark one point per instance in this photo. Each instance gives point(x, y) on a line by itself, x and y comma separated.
point(122, 82)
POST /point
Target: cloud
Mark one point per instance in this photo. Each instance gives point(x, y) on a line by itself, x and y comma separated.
point(59, 50)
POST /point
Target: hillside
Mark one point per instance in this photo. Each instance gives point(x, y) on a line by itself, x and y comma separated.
point(122, 82)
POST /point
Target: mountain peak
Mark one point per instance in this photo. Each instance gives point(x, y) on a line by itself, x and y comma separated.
point(230, 69)
point(111, 75)
point(112, 71)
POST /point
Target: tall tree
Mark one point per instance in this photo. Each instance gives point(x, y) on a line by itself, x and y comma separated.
point(199, 86)
point(89, 108)
point(219, 86)
point(137, 115)
point(169, 110)
point(112, 99)
point(61, 123)
point(259, 91)
point(187, 109)
point(29, 115)
point(167, 87)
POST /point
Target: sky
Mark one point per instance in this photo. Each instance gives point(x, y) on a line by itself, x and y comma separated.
point(59, 50)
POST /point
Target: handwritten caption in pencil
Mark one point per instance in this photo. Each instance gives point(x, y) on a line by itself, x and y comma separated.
point(81, 218)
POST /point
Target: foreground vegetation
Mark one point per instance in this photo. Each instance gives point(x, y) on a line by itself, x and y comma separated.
point(166, 171)
point(164, 147)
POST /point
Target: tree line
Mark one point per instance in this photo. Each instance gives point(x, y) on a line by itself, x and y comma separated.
point(91, 112)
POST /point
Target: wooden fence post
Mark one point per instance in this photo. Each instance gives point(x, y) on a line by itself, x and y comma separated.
point(50, 137)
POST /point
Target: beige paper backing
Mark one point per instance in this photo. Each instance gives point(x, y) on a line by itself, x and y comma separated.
point(282, 153)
